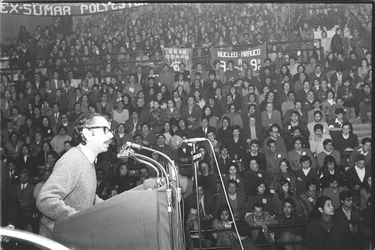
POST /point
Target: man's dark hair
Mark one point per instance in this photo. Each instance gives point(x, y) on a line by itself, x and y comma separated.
point(259, 205)
point(344, 195)
point(290, 201)
point(82, 122)
point(232, 182)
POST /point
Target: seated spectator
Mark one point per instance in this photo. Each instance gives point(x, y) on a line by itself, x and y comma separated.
point(252, 130)
point(244, 232)
point(356, 177)
point(274, 134)
point(295, 155)
point(365, 193)
point(260, 195)
point(304, 174)
point(289, 216)
point(345, 142)
point(270, 116)
point(204, 129)
point(295, 132)
point(163, 147)
point(330, 168)
point(224, 133)
point(273, 156)
point(58, 140)
point(317, 120)
point(13, 146)
point(316, 141)
point(325, 230)
point(236, 199)
point(254, 152)
point(254, 175)
point(333, 190)
point(102, 184)
point(294, 122)
point(206, 204)
point(121, 137)
point(328, 149)
point(207, 178)
point(26, 161)
point(237, 143)
point(308, 198)
point(144, 174)
point(123, 181)
point(260, 218)
point(191, 112)
point(365, 103)
point(364, 149)
point(223, 221)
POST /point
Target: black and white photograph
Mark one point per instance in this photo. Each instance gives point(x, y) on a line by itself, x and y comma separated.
point(186, 126)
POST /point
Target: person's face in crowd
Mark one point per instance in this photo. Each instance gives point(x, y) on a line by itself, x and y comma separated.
point(62, 132)
point(123, 170)
point(51, 160)
point(24, 178)
point(306, 164)
point(317, 117)
point(232, 109)
point(207, 111)
point(25, 150)
point(145, 129)
point(232, 170)
point(298, 145)
point(113, 192)
point(143, 173)
point(339, 32)
point(294, 117)
point(14, 112)
point(253, 165)
point(288, 209)
point(224, 152)
point(258, 211)
point(331, 165)
point(232, 188)
point(310, 95)
point(55, 108)
point(312, 187)
point(191, 101)
point(291, 97)
point(45, 122)
point(204, 168)
point(367, 147)
point(333, 184)
point(211, 136)
point(134, 115)
point(229, 99)
point(182, 124)
point(274, 133)
point(224, 216)
point(318, 132)
point(273, 147)
point(236, 133)
point(261, 188)
point(161, 140)
point(67, 146)
point(46, 147)
point(269, 107)
point(347, 202)
point(361, 164)
point(99, 175)
point(346, 129)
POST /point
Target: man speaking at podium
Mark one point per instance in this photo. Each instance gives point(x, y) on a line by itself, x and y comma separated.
point(72, 184)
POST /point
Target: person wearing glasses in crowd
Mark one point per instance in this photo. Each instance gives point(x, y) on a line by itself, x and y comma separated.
point(72, 184)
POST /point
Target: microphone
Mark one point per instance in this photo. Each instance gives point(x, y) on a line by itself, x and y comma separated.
point(133, 145)
point(194, 140)
point(125, 152)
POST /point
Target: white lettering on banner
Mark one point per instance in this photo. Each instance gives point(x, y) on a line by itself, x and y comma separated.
point(92, 8)
point(37, 10)
point(3, 7)
point(67, 11)
point(227, 54)
point(14, 8)
point(121, 6)
point(28, 9)
point(58, 10)
point(104, 7)
point(83, 8)
point(48, 10)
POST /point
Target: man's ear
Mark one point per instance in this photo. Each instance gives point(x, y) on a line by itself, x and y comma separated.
point(87, 133)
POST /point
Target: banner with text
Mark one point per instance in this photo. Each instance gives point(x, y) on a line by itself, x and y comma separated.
point(174, 56)
point(253, 55)
point(63, 9)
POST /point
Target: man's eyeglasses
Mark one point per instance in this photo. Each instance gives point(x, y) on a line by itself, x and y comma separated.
point(106, 130)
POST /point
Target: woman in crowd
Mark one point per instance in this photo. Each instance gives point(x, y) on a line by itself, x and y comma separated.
point(223, 221)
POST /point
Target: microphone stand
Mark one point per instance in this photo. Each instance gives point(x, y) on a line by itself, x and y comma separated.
point(168, 190)
point(195, 166)
point(224, 189)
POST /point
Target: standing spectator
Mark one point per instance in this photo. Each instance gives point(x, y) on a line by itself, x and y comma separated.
point(337, 43)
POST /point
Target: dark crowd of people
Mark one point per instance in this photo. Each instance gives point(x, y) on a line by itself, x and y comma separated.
point(282, 135)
